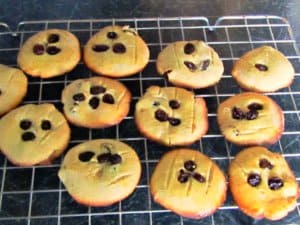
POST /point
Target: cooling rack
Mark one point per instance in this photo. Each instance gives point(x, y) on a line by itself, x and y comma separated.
point(34, 195)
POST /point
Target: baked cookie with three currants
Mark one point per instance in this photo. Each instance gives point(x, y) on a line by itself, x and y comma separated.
point(116, 51)
point(262, 184)
point(100, 172)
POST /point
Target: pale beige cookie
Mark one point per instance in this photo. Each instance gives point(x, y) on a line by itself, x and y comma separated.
point(49, 53)
point(96, 102)
point(33, 134)
point(262, 184)
point(171, 116)
point(13, 88)
point(100, 172)
point(188, 183)
point(116, 51)
point(191, 64)
point(263, 69)
point(250, 119)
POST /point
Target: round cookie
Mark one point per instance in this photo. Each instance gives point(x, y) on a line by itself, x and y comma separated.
point(96, 102)
point(250, 119)
point(188, 183)
point(116, 51)
point(13, 88)
point(263, 69)
point(191, 64)
point(100, 172)
point(33, 134)
point(49, 53)
point(262, 184)
point(171, 116)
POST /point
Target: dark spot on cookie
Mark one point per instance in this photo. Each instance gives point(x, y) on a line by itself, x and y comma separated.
point(97, 89)
point(28, 136)
point(167, 72)
point(119, 48)
point(191, 66)
point(205, 64)
point(189, 48)
point(0, 92)
point(237, 113)
point(156, 103)
point(161, 115)
point(275, 183)
point(38, 49)
point(108, 98)
point(261, 67)
point(251, 115)
point(198, 177)
point(190, 165)
point(25, 124)
point(254, 179)
point(53, 38)
point(105, 157)
point(46, 125)
point(115, 159)
point(53, 50)
point(112, 35)
point(86, 156)
point(174, 121)
point(255, 106)
point(100, 48)
point(174, 104)
point(264, 163)
point(79, 97)
point(94, 102)
point(183, 176)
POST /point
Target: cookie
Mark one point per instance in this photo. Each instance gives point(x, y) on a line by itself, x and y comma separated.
point(49, 53)
point(100, 172)
point(262, 184)
point(171, 116)
point(191, 64)
point(116, 51)
point(250, 119)
point(263, 69)
point(33, 134)
point(96, 102)
point(13, 88)
point(188, 183)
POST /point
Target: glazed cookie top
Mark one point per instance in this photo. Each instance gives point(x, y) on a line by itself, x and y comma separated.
point(250, 119)
point(32, 134)
point(100, 172)
point(191, 64)
point(96, 102)
point(263, 69)
point(13, 87)
point(49, 53)
point(262, 183)
point(188, 183)
point(171, 116)
point(116, 51)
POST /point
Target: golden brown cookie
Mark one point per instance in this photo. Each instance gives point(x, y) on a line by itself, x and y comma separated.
point(171, 116)
point(263, 69)
point(191, 64)
point(49, 53)
point(96, 102)
point(262, 184)
point(188, 183)
point(116, 51)
point(100, 172)
point(33, 134)
point(13, 88)
point(250, 119)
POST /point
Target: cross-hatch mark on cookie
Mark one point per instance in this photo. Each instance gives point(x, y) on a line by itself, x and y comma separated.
point(188, 171)
point(261, 67)
point(86, 156)
point(53, 38)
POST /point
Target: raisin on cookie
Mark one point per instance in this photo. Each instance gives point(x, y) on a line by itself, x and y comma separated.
point(100, 172)
point(116, 51)
point(191, 64)
point(171, 116)
point(262, 184)
point(188, 183)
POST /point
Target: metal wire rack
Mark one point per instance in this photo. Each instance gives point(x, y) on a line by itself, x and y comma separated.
point(34, 195)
